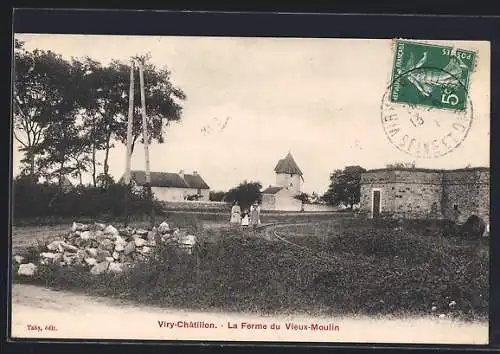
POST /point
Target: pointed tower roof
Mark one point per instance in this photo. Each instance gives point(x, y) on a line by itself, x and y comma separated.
point(288, 165)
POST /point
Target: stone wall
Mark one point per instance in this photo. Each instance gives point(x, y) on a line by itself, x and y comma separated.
point(318, 207)
point(268, 202)
point(466, 193)
point(197, 205)
point(292, 181)
point(168, 194)
point(386, 197)
point(419, 193)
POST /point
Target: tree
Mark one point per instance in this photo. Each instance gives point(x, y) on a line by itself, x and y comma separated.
point(94, 113)
point(303, 197)
point(162, 103)
point(315, 198)
point(344, 186)
point(61, 146)
point(107, 106)
point(217, 196)
point(401, 165)
point(246, 193)
point(43, 91)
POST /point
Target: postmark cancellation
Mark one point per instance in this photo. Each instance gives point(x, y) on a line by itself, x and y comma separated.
point(426, 110)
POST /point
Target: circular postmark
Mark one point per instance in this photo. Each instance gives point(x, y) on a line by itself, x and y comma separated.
point(424, 130)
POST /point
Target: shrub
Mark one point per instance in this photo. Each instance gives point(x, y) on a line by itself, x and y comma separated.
point(33, 200)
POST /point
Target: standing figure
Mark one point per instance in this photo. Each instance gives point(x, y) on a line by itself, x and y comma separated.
point(255, 215)
point(235, 214)
point(246, 219)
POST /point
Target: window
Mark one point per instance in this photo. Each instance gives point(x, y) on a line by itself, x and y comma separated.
point(455, 206)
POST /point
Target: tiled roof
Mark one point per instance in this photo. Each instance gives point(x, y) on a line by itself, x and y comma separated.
point(272, 190)
point(167, 179)
point(288, 165)
point(195, 181)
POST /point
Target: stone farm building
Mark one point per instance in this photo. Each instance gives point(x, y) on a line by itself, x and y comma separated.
point(425, 193)
point(173, 187)
point(288, 184)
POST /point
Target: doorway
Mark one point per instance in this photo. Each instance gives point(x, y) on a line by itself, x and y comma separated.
point(376, 203)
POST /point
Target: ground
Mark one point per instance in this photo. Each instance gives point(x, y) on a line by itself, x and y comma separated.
point(382, 270)
point(38, 306)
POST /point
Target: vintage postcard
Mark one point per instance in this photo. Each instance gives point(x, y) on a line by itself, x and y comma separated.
point(250, 189)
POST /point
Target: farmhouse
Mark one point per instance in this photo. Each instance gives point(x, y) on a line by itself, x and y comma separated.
point(425, 193)
point(288, 184)
point(174, 187)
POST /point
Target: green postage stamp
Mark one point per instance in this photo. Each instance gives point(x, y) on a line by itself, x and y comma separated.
point(431, 75)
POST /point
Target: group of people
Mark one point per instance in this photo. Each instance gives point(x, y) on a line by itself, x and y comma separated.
point(247, 217)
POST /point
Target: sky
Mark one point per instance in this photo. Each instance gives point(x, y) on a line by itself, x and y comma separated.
point(319, 99)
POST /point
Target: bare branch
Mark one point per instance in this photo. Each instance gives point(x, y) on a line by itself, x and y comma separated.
point(20, 141)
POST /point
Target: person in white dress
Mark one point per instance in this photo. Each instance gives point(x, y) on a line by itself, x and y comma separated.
point(245, 220)
point(235, 214)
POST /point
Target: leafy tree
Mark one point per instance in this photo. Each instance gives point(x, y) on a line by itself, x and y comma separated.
point(401, 165)
point(162, 103)
point(104, 180)
point(217, 196)
point(93, 113)
point(67, 111)
point(107, 105)
point(303, 197)
point(315, 198)
point(344, 186)
point(245, 194)
point(61, 146)
point(43, 92)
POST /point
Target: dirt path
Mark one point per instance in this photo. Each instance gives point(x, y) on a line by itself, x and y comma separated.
point(80, 316)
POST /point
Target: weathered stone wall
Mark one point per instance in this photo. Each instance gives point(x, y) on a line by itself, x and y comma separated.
point(417, 200)
point(421, 193)
point(197, 205)
point(318, 207)
point(386, 197)
point(466, 193)
point(268, 202)
point(412, 194)
point(292, 182)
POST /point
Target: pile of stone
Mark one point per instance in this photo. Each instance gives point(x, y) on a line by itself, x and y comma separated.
point(103, 248)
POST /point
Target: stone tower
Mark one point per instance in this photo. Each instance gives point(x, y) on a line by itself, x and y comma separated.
point(288, 174)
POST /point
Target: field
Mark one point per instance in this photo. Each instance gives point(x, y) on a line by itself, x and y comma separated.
point(309, 264)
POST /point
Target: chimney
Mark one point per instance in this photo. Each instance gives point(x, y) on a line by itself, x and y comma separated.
point(181, 173)
point(195, 173)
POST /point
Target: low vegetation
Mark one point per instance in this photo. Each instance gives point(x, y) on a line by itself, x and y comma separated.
point(348, 268)
point(46, 202)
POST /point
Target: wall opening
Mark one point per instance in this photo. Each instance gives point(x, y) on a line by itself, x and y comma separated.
point(376, 203)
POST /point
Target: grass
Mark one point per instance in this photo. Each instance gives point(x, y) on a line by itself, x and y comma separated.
point(180, 216)
point(364, 269)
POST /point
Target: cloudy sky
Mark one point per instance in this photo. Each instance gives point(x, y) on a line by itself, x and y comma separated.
point(318, 98)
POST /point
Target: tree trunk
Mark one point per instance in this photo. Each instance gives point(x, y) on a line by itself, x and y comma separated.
point(61, 175)
point(133, 145)
point(32, 167)
point(106, 157)
point(94, 166)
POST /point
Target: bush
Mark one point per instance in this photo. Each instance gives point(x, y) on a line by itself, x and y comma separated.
point(32, 200)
